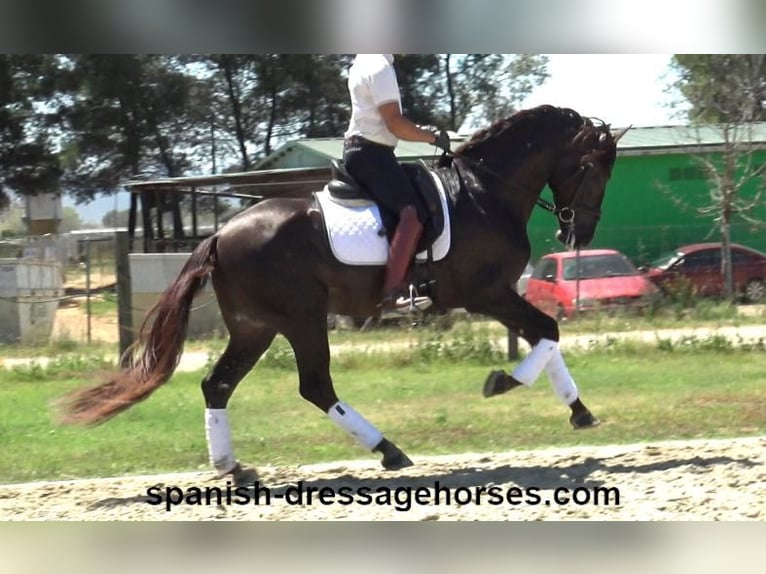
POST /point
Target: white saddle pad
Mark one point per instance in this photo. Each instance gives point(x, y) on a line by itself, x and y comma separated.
point(355, 230)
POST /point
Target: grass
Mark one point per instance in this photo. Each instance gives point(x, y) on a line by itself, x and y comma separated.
point(426, 398)
point(667, 315)
point(103, 304)
point(58, 348)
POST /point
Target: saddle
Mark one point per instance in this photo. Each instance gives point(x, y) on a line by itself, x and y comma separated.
point(344, 189)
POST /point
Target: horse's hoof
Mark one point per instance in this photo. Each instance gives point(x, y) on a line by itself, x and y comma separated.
point(243, 475)
point(397, 462)
point(393, 458)
point(498, 383)
point(583, 420)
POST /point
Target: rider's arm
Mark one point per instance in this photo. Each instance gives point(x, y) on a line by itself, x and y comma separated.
point(401, 127)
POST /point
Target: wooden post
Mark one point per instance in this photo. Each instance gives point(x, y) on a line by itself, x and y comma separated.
point(159, 202)
point(513, 339)
point(146, 217)
point(513, 346)
point(195, 231)
point(132, 220)
point(124, 291)
point(178, 225)
point(88, 270)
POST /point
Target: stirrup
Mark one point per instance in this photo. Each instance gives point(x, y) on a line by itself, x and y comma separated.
point(413, 303)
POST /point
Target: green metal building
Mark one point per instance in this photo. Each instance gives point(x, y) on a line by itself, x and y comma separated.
point(652, 201)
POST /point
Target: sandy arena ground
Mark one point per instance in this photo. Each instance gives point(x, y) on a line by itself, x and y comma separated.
point(690, 480)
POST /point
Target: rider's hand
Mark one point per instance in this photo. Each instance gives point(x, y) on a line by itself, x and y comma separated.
point(441, 140)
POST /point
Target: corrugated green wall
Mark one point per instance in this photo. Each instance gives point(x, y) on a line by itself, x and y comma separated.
point(650, 207)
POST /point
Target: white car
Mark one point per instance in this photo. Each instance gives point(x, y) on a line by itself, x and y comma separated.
point(521, 284)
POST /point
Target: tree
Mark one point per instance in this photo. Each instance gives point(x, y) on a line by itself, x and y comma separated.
point(70, 219)
point(257, 101)
point(727, 94)
point(86, 123)
point(125, 119)
point(319, 96)
point(447, 90)
point(12, 218)
point(487, 87)
point(115, 218)
point(28, 163)
point(421, 88)
point(722, 88)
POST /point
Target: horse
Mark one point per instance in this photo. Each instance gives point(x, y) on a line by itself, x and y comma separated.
point(273, 272)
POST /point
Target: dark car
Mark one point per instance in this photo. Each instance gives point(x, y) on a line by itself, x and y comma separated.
point(698, 266)
point(599, 279)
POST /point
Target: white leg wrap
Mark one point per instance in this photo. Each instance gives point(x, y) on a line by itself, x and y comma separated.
point(355, 425)
point(533, 364)
point(562, 382)
point(218, 434)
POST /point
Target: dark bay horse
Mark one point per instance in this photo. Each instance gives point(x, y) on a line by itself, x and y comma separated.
point(273, 272)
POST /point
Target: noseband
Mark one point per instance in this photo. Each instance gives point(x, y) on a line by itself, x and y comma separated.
point(566, 215)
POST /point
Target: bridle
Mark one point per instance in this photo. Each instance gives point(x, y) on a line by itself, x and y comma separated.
point(566, 214)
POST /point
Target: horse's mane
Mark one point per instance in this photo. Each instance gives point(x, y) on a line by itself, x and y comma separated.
point(526, 127)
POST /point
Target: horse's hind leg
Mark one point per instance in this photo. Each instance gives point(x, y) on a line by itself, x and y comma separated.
point(312, 355)
point(241, 353)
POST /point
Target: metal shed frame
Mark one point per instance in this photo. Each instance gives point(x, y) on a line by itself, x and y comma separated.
point(159, 196)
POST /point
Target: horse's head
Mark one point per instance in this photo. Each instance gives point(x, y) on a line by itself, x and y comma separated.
point(579, 182)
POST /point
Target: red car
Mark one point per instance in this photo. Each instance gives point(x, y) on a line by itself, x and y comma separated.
point(699, 266)
point(607, 280)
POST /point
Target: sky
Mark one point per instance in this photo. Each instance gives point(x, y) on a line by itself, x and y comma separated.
point(621, 89)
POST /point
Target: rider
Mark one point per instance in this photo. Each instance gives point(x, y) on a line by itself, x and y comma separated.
point(376, 125)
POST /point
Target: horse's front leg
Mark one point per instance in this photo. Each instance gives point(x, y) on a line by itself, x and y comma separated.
point(542, 333)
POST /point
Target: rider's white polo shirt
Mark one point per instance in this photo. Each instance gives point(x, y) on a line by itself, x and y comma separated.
point(371, 83)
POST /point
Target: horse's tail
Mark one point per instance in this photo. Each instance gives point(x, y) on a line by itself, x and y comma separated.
point(153, 358)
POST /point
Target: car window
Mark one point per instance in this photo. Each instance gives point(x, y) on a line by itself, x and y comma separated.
point(666, 260)
point(743, 257)
point(702, 259)
point(598, 266)
point(543, 268)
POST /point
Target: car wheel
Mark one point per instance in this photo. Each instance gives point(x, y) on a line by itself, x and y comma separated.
point(755, 291)
point(560, 313)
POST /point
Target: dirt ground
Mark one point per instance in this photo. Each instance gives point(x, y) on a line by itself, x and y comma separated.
point(692, 480)
point(71, 324)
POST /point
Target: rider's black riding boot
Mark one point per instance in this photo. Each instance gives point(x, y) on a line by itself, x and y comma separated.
point(401, 252)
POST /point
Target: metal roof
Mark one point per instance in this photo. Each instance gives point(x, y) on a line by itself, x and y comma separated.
point(244, 185)
point(638, 140)
point(680, 139)
point(326, 149)
point(300, 165)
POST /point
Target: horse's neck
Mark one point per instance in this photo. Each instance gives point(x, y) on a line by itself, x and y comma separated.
point(512, 191)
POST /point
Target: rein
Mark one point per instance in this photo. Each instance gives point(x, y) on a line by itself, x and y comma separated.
point(564, 214)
